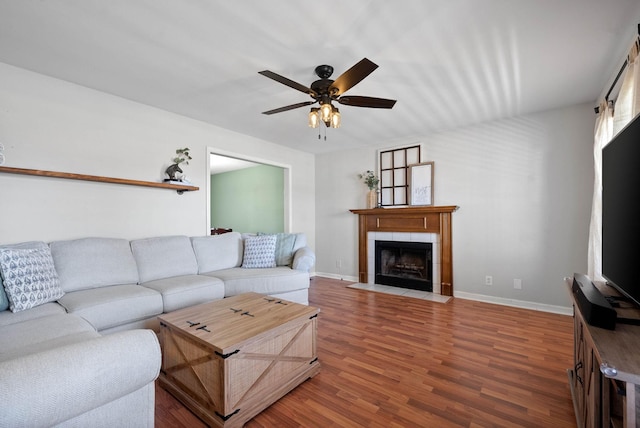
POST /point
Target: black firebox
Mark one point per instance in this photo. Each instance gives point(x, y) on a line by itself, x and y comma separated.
point(404, 264)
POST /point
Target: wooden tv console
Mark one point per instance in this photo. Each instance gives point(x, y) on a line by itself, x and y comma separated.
point(605, 378)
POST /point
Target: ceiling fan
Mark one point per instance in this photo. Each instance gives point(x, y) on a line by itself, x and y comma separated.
point(325, 90)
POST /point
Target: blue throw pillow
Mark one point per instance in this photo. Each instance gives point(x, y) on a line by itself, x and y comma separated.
point(284, 247)
point(4, 301)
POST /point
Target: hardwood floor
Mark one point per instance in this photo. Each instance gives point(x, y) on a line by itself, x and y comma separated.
point(392, 361)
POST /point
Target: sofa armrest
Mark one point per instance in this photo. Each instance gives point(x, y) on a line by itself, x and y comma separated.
point(304, 259)
point(50, 387)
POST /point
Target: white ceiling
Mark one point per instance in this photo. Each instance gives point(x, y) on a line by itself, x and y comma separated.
point(219, 164)
point(448, 63)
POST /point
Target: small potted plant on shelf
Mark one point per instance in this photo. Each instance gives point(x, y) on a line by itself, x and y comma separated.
point(371, 180)
point(182, 156)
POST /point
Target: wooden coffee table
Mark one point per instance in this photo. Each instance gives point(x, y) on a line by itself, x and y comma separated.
point(230, 359)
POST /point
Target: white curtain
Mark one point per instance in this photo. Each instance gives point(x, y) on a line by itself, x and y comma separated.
point(609, 123)
point(628, 103)
point(603, 134)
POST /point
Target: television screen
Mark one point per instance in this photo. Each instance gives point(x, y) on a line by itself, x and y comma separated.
point(621, 211)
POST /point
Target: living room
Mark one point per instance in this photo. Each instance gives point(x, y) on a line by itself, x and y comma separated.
point(521, 172)
point(523, 183)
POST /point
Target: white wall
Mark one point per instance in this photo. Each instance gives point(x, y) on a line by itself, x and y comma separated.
point(523, 186)
point(50, 124)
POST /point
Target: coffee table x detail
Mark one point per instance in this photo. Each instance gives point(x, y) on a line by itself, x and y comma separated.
point(230, 359)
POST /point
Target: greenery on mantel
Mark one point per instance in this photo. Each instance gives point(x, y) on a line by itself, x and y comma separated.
point(370, 179)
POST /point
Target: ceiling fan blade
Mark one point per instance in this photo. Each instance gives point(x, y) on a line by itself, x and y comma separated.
point(370, 102)
point(353, 76)
point(288, 82)
point(291, 107)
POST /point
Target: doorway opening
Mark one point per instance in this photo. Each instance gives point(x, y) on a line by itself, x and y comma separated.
point(247, 194)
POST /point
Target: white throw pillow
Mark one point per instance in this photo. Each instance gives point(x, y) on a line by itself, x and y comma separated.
point(29, 276)
point(259, 252)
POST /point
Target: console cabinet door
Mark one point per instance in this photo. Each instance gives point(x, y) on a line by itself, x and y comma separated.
point(579, 354)
point(587, 379)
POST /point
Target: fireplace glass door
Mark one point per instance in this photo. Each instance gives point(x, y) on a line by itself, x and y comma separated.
point(404, 264)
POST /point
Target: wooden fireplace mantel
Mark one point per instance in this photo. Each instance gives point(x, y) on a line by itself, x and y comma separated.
point(428, 219)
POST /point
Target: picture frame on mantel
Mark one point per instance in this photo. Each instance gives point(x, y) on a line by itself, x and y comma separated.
point(421, 184)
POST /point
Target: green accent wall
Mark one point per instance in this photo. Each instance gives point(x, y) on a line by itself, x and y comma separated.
point(249, 200)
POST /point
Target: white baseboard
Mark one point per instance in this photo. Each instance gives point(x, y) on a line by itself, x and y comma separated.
point(336, 276)
point(562, 310)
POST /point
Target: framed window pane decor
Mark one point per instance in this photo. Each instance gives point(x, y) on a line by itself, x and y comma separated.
point(421, 183)
point(394, 174)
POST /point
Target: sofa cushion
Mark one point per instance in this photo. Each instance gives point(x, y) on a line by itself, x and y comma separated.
point(107, 307)
point(259, 252)
point(164, 257)
point(218, 251)
point(93, 262)
point(264, 281)
point(7, 317)
point(4, 300)
point(181, 291)
point(43, 333)
point(29, 277)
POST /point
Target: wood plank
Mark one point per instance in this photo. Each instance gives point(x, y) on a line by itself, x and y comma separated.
point(392, 361)
point(96, 178)
point(446, 255)
point(228, 324)
point(408, 209)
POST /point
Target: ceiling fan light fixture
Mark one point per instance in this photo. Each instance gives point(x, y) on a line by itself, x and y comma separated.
point(314, 118)
point(325, 112)
point(335, 118)
point(324, 91)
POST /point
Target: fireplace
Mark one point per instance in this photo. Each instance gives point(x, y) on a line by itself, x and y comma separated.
point(404, 264)
point(400, 223)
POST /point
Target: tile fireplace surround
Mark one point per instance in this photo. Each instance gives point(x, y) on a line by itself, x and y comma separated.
point(417, 224)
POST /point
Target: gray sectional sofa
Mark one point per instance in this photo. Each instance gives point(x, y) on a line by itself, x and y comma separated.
point(90, 357)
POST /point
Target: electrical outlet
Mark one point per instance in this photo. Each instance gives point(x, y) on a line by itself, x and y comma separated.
point(517, 284)
point(488, 280)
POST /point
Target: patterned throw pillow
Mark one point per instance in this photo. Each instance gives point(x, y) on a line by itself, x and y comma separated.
point(29, 277)
point(259, 252)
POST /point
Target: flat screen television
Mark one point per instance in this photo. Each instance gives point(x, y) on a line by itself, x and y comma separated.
point(621, 211)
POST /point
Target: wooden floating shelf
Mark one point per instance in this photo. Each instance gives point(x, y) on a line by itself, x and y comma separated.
point(180, 188)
